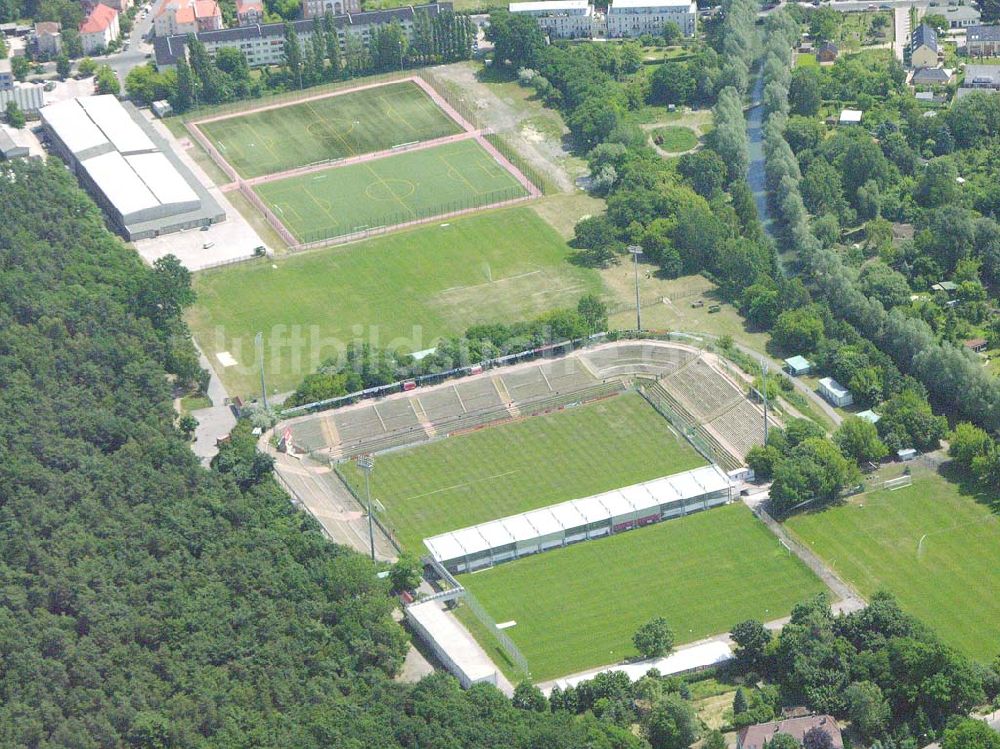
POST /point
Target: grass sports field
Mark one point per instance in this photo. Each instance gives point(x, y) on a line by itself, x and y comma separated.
point(523, 465)
point(335, 127)
point(950, 579)
point(410, 287)
point(389, 191)
point(578, 607)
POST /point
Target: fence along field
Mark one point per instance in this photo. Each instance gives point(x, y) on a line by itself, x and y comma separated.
point(523, 465)
point(336, 126)
point(390, 191)
point(578, 607)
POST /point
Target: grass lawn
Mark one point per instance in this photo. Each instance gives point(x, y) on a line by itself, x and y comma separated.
point(523, 465)
point(674, 139)
point(407, 288)
point(389, 191)
point(951, 580)
point(578, 607)
point(338, 126)
point(806, 60)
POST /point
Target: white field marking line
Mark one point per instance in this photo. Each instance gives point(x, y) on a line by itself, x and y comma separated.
point(507, 625)
point(491, 283)
point(952, 528)
point(462, 485)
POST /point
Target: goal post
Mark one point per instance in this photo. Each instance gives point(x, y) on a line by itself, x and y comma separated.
point(897, 483)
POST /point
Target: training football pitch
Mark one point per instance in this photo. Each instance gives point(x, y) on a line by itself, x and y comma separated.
point(389, 191)
point(334, 127)
point(523, 465)
point(935, 549)
point(407, 288)
point(578, 607)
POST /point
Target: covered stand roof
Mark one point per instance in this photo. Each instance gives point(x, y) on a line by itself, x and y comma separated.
point(638, 500)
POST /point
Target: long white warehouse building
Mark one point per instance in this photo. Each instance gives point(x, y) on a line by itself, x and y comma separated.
point(143, 188)
point(599, 515)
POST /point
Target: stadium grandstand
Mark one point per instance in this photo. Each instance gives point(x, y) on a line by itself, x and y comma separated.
point(143, 187)
point(677, 379)
point(555, 526)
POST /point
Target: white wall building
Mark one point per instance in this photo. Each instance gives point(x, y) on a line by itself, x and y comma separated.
point(631, 18)
point(560, 19)
point(99, 29)
point(834, 392)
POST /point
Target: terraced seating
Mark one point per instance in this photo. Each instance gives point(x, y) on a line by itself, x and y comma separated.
point(741, 426)
point(657, 393)
point(706, 393)
point(635, 357)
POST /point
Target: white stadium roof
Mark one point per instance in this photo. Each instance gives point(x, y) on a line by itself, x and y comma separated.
point(120, 184)
point(161, 178)
point(636, 500)
point(74, 128)
point(110, 116)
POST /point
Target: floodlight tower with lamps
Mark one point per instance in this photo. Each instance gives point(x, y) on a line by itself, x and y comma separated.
point(366, 462)
point(636, 250)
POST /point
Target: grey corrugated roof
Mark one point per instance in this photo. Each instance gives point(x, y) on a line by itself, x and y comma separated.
point(170, 48)
point(931, 75)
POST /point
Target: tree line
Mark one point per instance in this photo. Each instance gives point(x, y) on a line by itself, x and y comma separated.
point(321, 57)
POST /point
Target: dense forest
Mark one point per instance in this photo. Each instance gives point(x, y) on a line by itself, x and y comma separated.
point(146, 601)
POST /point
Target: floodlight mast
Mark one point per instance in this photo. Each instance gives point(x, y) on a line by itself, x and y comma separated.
point(366, 461)
point(259, 344)
point(763, 382)
point(636, 250)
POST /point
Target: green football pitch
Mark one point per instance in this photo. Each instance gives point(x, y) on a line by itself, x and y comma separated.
point(578, 607)
point(389, 191)
point(276, 140)
point(935, 549)
point(407, 289)
point(523, 465)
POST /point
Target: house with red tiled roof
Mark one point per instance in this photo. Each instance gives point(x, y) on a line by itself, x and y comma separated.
point(249, 12)
point(187, 17)
point(760, 735)
point(99, 29)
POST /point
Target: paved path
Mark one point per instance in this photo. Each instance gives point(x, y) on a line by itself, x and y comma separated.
point(321, 492)
point(215, 421)
point(847, 599)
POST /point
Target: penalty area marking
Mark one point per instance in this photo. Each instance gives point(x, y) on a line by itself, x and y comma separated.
point(463, 485)
point(507, 625)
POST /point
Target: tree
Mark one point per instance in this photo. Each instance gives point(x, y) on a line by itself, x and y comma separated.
point(714, 739)
point(824, 23)
point(936, 21)
point(858, 439)
point(654, 639)
point(814, 470)
point(529, 697)
point(817, 738)
point(517, 39)
point(186, 94)
point(783, 741)
point(63, 67)
point(20, 67)
point(798, 330)
point(751, 638)
point(705, 171)
point(968, 442)
point(14, 115)
point(804, 95)
point(938, 184)
point(86, 67)
point(762, 460)
point(672, 83)
point(187, 424)
point(599, 237)
point(970, 734)
point(671, 724)
point(869, 710)
point(406, 574)
point(292, 54)
point(740, 703)
point(594, 312)
point(107, 81)
point(333, 43)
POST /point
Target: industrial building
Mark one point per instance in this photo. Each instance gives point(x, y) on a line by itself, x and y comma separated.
point(592, 517)
point(130, 172)
point(631, 18)
point(560, 19)
point(264, 44)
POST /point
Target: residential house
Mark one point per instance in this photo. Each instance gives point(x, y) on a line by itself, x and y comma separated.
point(760, 735)
point(632, 18)
point(560, 19)
point(47, 38)
point(850, 117)
point(924, 47)
point(187, 17)
point(976, 345)
point(982, 41)
point(932, 77)
point(99, 29)
point(834, 392)
point(314, 8)
point(249, 12)
point(960, 16)
point(827, 52)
